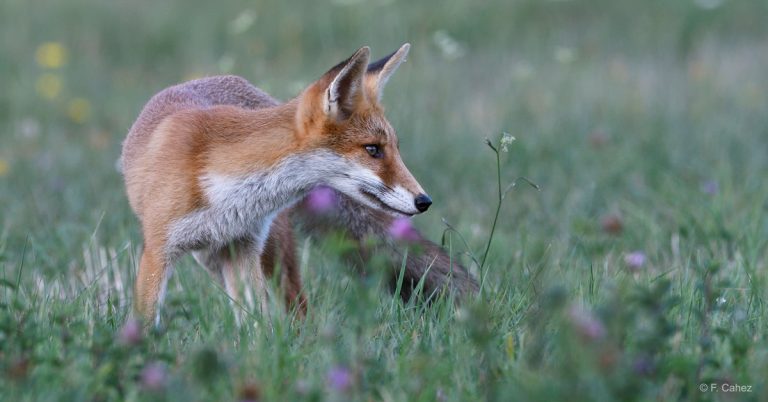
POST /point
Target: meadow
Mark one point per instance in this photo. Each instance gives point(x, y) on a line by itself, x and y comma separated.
point(636, 270)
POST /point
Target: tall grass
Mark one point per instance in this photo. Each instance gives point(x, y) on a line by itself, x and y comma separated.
point(637, 272)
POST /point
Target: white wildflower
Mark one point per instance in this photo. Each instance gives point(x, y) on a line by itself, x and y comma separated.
point(449, 47)
point(242, 22)
point(506, 140)
point(720, 301)
point(522, 71)
point(226, 63)
point(709, 4)
point(565, 55)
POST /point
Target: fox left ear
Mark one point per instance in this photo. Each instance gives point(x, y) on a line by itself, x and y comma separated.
point(346, 88)
point(380, 71)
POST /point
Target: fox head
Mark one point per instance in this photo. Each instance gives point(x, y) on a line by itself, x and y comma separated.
point(341, 113)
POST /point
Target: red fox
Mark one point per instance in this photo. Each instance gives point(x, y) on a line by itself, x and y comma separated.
point(215, 166)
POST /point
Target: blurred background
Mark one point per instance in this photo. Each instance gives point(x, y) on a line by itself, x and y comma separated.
point(643, 122)
point(606, 98)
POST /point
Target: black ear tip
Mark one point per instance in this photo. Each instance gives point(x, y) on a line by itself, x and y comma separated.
point(377, 65)
point(364, 51)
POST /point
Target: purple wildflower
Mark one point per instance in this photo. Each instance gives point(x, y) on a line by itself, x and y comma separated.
point(322, 199)
point(302, 387)
point(130, 334)
point(586, 323)
point(402, 229)
point(643, 365)
point(598, 139)
point(340, 379)
point(710, 187)
point(635, 260)
point(154, 376)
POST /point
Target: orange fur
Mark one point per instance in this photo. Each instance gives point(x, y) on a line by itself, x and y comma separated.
point(186, 134)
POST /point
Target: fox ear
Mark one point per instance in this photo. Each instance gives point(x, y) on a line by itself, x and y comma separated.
point(380, 71)
point(346, 88)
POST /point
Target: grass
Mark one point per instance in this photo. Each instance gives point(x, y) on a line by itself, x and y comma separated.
point(643, 123)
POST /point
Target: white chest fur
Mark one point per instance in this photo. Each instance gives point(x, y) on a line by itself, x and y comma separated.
point(244, 207)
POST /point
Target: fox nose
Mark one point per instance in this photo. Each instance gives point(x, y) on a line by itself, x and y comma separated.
point(422, 202)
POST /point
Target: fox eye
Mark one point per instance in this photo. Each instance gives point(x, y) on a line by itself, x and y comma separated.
point(374, 151)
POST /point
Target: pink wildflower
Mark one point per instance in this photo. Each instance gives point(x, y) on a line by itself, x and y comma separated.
point(710, 187)
point(586, 323)
point(402, 229)
point(130, 334)
point(340, 379)
point(635, 260)
point(154, 376)
point(322, 199)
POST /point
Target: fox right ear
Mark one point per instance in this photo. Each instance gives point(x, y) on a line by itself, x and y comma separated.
point(346, 88)
point(380, 71)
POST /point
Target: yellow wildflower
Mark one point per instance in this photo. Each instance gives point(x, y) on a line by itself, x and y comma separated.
point(510, 346)
point(4, 167)
point(79, 110)
point(49, 86)
point(51, 55)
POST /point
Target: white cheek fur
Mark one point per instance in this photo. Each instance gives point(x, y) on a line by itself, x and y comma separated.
point(360, 181)
point(401, 199)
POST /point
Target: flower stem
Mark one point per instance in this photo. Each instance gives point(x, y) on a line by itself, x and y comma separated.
point(498, 210)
